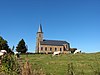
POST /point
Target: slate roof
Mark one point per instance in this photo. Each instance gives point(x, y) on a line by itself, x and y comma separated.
point(53, 42)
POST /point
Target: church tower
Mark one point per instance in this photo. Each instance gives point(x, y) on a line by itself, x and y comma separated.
point(39, 38)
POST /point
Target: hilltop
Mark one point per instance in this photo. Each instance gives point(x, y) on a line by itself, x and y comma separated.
point(64, 64)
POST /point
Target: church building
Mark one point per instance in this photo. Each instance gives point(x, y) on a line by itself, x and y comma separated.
point(50, 46)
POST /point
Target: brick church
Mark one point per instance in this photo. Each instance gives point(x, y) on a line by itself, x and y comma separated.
point(50, 46)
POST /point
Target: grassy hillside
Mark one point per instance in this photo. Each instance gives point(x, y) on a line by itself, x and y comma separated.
point(69, 64)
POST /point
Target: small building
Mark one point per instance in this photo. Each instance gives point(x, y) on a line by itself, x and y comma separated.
point(50, 46)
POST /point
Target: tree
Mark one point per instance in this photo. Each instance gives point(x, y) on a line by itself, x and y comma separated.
point(4, 45)
point(21, 47)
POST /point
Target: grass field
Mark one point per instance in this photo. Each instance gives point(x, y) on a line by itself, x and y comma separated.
point(65, 64)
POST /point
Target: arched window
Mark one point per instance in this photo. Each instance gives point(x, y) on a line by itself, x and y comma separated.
point(55, 49)
point(50, 49)
point(39, 35)
point(45, 48)
point(41, 48)
point(60, 49)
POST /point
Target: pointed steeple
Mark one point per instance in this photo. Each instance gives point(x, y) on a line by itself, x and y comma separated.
point(40, 28)
point(39, 38)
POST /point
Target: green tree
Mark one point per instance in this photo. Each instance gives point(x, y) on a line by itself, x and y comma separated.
point(21, 47)
point(4, 45)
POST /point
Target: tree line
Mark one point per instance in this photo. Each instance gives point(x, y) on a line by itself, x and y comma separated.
point(21, 46)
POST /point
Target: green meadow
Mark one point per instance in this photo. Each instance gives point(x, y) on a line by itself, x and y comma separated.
point(64, 64)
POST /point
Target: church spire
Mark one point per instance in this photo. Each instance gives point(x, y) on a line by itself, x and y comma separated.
point(39, 38)
point(40, 28)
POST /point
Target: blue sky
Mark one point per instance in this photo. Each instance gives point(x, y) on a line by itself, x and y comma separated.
point(76, 21)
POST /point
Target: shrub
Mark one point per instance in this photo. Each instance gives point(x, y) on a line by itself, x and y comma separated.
point(27, 69)
point(10, 65)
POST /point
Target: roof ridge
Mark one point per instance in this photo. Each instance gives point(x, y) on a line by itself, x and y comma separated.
point(53, 40)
